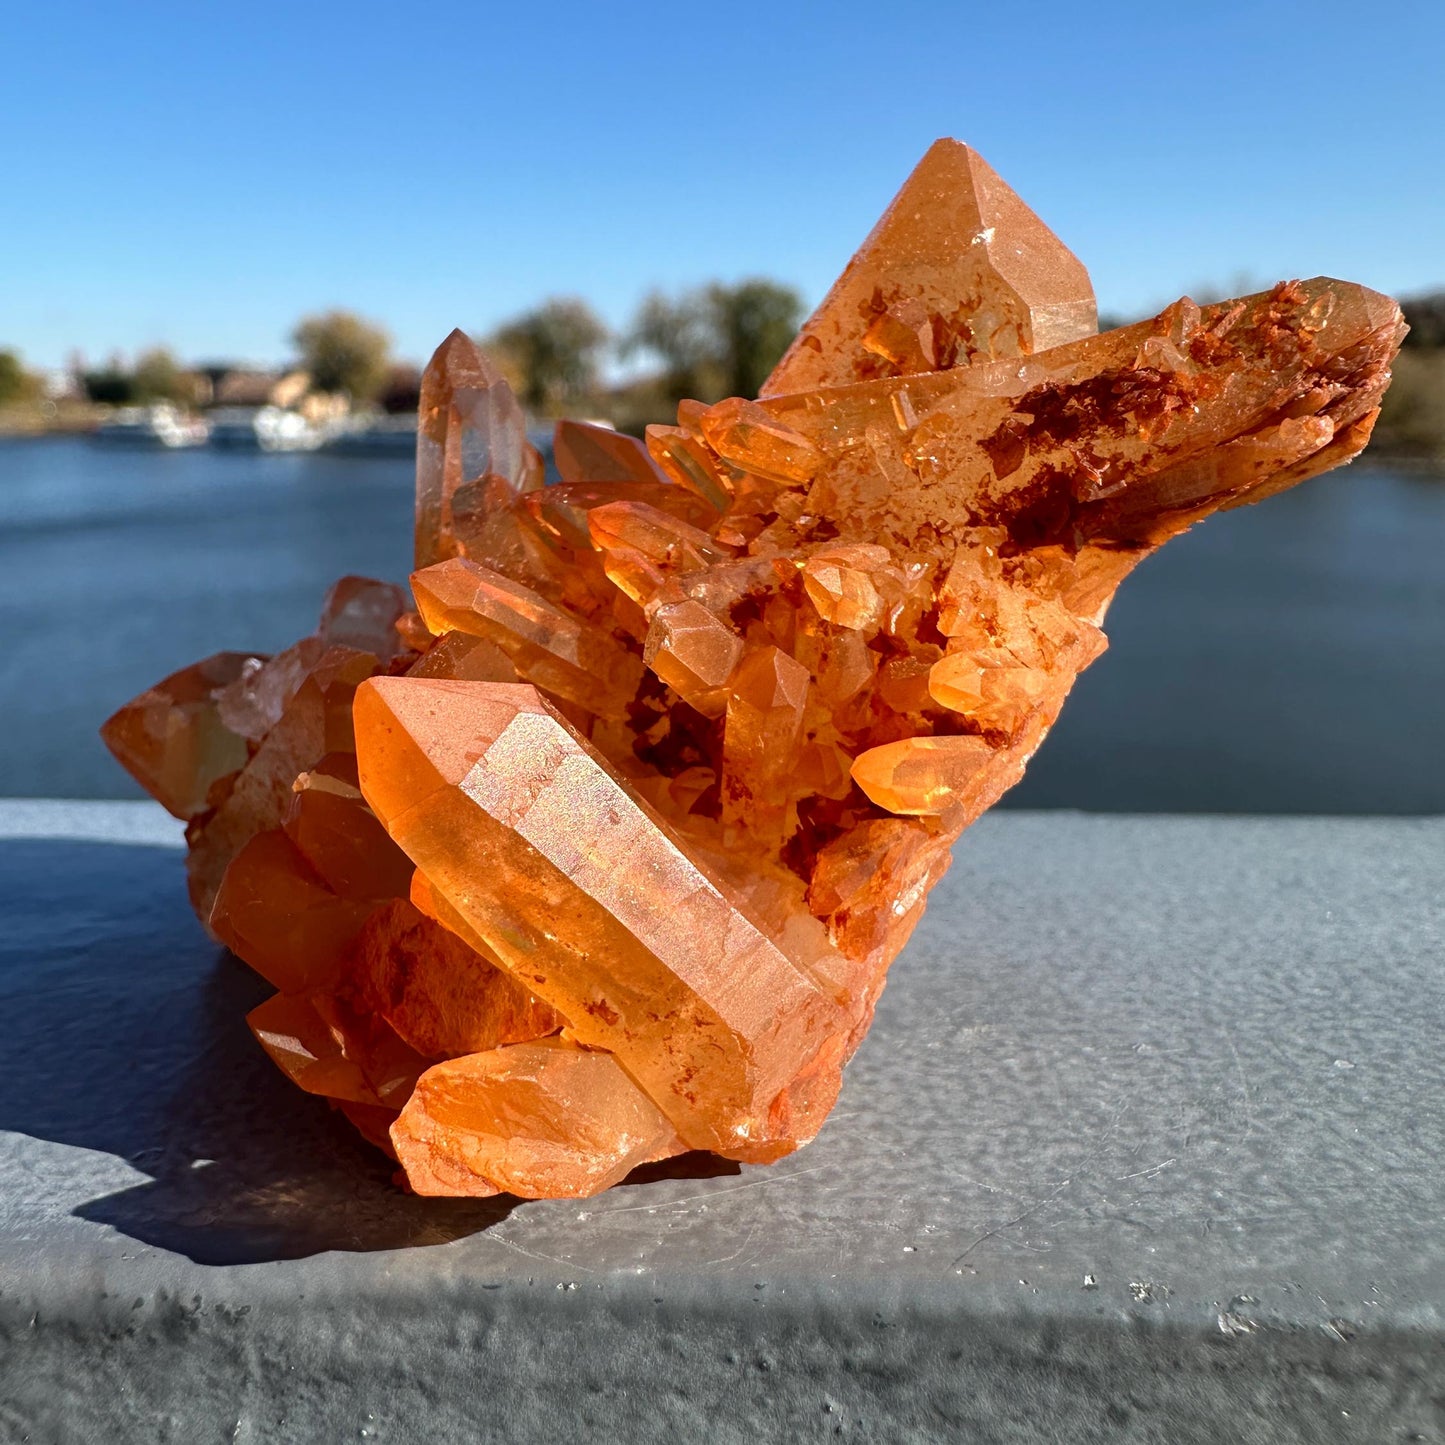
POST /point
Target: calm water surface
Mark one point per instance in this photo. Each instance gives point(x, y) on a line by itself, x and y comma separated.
point(1286, 658)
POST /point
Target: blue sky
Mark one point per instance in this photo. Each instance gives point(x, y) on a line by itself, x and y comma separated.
point(201, 175)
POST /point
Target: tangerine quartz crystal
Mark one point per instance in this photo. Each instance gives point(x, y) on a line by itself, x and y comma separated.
point(600, 851)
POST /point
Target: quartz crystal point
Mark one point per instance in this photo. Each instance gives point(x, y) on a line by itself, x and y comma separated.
point(472, 453)
point(545, 1120)
point(597, 454)
point(596, 907)
point(547, 645)
point(958, 270)
point(173, 740)
point(603, 851)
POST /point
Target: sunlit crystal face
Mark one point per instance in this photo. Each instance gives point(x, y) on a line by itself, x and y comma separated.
point(959, 270)
point(602, 853)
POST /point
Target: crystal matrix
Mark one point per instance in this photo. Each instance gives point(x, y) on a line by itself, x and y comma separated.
point(602, 852)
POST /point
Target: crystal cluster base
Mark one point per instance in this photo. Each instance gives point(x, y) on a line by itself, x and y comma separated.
point(598, 847)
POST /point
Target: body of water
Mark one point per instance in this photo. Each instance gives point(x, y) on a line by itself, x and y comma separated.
point(1285, 658)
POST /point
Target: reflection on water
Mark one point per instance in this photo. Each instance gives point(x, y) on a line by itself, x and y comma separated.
point(1286, 658)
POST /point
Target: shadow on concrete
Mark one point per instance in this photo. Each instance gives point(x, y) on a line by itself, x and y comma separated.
point(126, 1035)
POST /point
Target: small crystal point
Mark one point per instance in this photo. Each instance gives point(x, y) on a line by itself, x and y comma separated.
point(470, 428)
point(544, 1120)
point(590, 454)
point(576, 660)
point(173, 740)
point(362, 613)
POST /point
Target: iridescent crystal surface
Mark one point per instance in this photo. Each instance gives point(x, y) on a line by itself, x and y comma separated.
point(600, 851)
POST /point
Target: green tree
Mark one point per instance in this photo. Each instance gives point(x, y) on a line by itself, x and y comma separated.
point(158, 376)
point(343, 353)
point(1412, 418)
point(753, 322)
point(113, 384)
point(719, 340)
point(1426, 315)
point(554, 352)
point(677, 333)
point(16, 384)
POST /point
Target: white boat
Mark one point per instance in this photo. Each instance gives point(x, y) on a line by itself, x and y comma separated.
point(264, 428)
point(159, 425)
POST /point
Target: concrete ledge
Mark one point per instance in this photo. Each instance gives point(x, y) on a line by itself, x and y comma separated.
point(1145, 1145)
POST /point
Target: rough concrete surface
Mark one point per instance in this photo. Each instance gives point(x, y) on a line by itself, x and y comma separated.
point(1144, 1146)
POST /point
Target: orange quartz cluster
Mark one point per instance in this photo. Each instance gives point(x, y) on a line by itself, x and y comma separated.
point(602, 852)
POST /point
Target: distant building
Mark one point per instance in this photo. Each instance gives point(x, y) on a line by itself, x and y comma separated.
point(228, 385)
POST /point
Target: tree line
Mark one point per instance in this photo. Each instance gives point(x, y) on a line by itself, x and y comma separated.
point(560, 356)
point(714, 341)
point(1412, 418)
